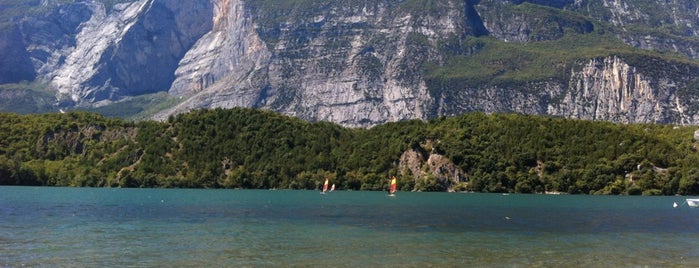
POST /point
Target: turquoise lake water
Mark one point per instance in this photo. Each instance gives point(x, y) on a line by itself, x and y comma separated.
point(96, 227)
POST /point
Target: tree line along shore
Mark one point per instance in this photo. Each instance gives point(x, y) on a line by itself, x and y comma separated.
point(256, 149)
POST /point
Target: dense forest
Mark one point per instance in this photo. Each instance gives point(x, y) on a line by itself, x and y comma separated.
point(246, 148)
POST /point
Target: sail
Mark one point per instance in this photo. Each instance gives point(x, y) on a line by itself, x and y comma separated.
point(392, 188)
point(325, 185)
point(332, 188)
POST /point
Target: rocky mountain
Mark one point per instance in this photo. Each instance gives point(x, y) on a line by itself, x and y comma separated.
point(361, 63)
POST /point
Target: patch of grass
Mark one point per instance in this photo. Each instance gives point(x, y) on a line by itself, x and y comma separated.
point(27, 98)
point(495, 61)
point(110, 3)
point(427, 7)
point(137, 108)
point(37, 97)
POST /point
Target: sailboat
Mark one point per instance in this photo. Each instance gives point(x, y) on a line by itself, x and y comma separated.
point(332, 188)
point(691, 202)
point(325, 186)
point(392, 186)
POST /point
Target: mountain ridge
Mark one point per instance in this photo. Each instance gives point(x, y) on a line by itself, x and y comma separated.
point(361, 64)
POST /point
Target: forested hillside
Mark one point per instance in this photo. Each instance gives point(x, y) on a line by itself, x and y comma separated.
point(246, 148)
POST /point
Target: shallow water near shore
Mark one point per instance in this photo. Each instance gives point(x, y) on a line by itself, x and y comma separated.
point(45, 226)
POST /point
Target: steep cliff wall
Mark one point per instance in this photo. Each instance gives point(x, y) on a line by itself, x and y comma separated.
point(357, 65)
point(227, 67)
point(612, 90)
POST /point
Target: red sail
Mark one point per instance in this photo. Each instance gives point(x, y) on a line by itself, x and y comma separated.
point(325, 185)
point(393, 185)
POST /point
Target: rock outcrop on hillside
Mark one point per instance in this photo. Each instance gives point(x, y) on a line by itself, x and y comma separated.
point(430, 170)
point(356, 63)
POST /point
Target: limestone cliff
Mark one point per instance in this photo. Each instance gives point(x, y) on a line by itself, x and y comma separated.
point(227, 66)
point(612, 90)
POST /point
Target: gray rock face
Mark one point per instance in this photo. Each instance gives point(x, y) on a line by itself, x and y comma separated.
point(90, 54)
point(48, 38)
point(612, 90)
point(227, 66)
point(145, 59)
point(79, 73)
point(357, 64)
point(365, 76)
point(413, 165)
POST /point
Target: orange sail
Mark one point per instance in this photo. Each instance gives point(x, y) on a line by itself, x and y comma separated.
point(325, 185)
point(392, 188)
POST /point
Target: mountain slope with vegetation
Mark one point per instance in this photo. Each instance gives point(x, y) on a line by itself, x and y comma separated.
point(245, 148)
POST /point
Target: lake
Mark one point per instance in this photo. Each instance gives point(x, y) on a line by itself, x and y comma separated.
point(94, 227)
